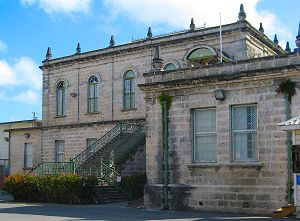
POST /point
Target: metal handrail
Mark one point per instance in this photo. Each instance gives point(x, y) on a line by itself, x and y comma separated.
point(104, 140)
point(77, 164)
point(108, 173)
point(52, 168)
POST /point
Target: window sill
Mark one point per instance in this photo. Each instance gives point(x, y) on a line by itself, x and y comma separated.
point(203, 165)
point(129, 109)
point(92, 113)
point(256, 165)
point(60, 116)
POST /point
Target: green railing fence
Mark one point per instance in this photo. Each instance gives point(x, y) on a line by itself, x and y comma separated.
point(109, 152)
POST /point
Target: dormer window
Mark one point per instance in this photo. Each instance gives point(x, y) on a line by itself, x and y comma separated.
point(170, 66)
point(204, 55)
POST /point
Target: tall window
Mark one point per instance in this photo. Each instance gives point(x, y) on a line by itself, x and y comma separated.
point(61, 99)
point(244, 133)
point(59, 150)
point(93, 104)
point(28, 155)
point(205, 142)
point(129, 90)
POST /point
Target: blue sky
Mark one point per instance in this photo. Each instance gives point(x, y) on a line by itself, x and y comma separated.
point(28, 27)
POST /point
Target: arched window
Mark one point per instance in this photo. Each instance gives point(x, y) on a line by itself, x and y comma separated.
point(203, 55)
point(170, 67)
point(93, 104)
point(129, 90)
point(61, 98)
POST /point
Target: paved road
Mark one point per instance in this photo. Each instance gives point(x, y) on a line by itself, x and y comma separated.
point(10, 211)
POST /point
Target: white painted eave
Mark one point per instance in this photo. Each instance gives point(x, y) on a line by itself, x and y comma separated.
point(291, 124)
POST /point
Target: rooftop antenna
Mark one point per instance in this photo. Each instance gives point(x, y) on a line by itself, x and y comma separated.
point(34, 116)
point(205, 19)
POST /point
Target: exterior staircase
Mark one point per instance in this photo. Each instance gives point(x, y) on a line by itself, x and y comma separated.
point(103, 159)
point(109, 194)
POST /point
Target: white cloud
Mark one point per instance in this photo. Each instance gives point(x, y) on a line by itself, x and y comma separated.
point(61, 6)
point(27, 97)
point(23, 76)
point(28, 72)
point(7, 74)
point(177, 13)
point(3, 46)
point(24, 72)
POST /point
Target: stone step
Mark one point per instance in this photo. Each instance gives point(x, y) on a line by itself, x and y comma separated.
point(109, 194)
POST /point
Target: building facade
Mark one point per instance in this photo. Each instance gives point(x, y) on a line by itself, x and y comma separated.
point(7, 158)
point(226, 152)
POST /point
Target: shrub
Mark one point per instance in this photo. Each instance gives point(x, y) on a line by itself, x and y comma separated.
point(67, 188)
point(134, 185)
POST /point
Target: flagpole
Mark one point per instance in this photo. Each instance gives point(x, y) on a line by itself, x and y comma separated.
point(221, 44)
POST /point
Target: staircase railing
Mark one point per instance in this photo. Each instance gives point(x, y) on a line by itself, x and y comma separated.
point(104, 140)
point(129, 145)
point(109, 174)
point(52, 168)
point(77, 165)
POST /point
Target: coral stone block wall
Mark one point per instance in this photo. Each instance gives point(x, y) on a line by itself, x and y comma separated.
point(257, 187)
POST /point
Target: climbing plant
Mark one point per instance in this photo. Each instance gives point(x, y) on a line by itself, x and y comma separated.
point(165, 97)
point(287, 87)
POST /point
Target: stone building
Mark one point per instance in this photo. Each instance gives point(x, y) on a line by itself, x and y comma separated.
point(6, 155)
point(226, 152)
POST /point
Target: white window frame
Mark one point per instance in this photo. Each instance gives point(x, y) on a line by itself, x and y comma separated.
point(255, 155)
point(28, 156)
point(59, 150)
point(207, 133)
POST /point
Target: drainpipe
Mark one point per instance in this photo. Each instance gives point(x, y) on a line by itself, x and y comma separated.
point(78, 94)
point(165, 113)
point(289, 148)
point(112, 87)
point(9, 152)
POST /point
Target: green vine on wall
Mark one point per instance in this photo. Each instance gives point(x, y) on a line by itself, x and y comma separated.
point(165, 97)
point(287, 87)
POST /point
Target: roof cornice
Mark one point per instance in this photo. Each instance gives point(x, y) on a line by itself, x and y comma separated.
point(158, 40)
point(220, 73)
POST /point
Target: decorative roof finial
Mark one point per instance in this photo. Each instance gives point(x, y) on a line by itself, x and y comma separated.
point(242, 14)
point(157, 62)
point(287, 47)
point(78, 49)
point(275, 39)
point(261, 29)
point(149, 34)
point(48, 54)
point(298, 39)
point(192, 25)
point(112, 41)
